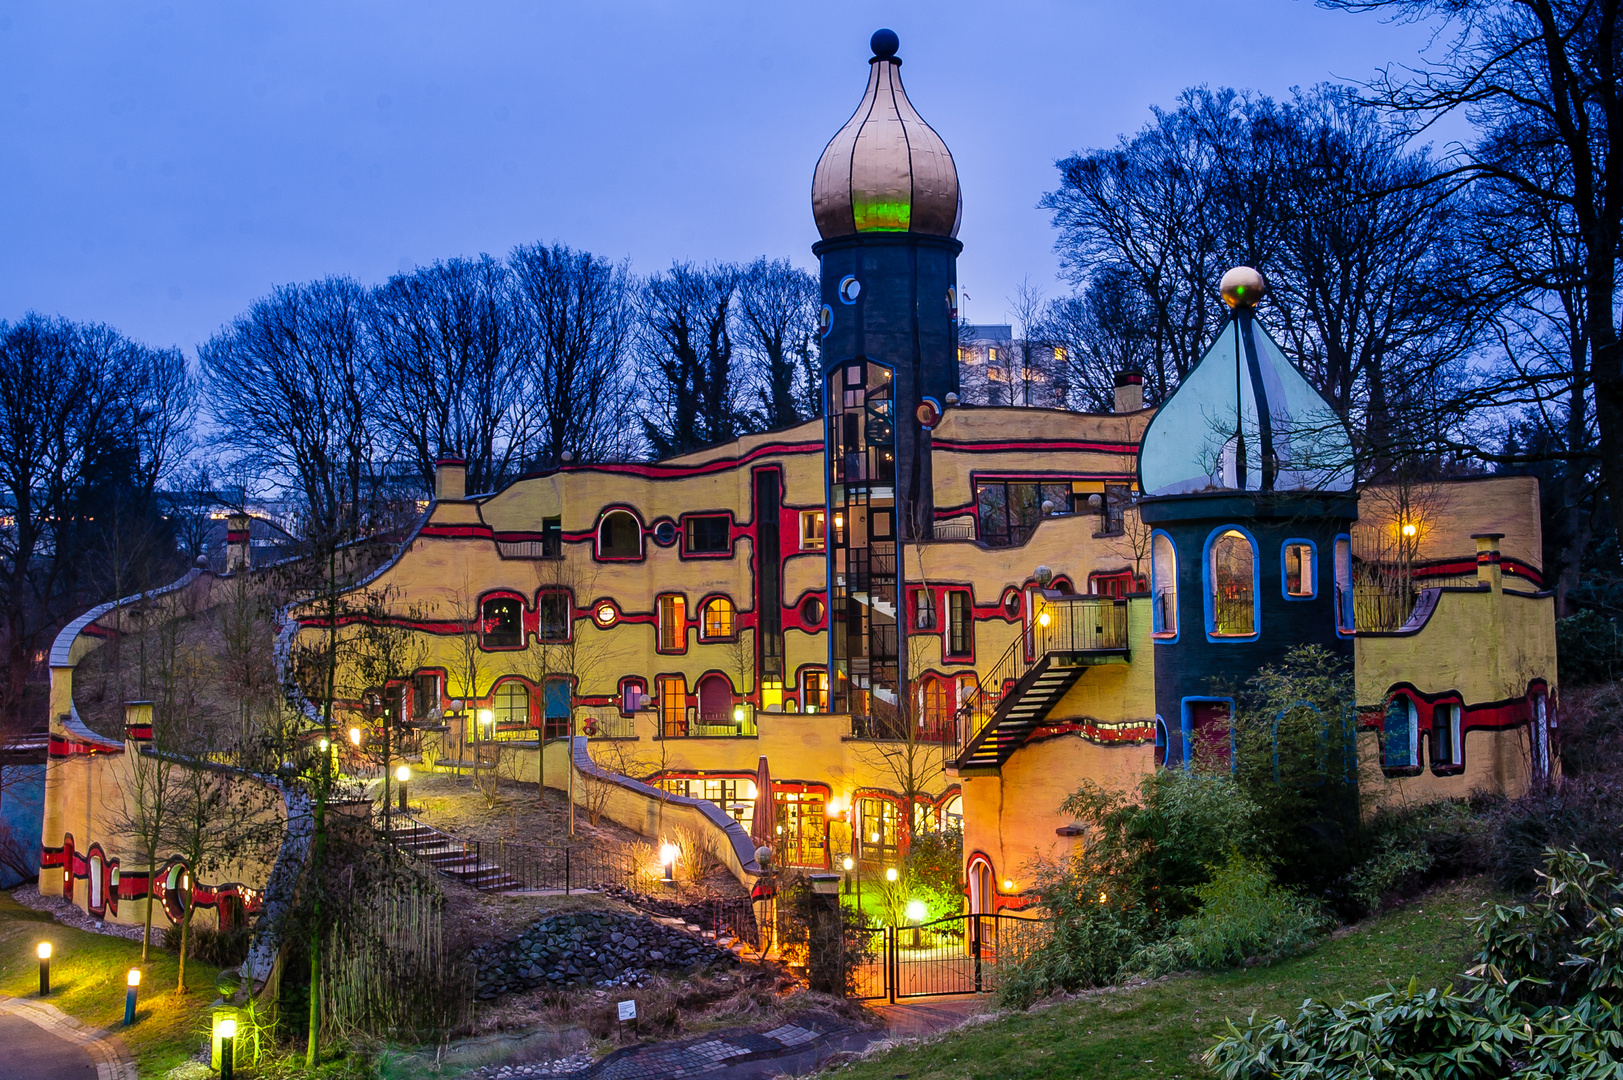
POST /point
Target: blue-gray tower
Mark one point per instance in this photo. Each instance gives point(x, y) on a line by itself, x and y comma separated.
point(885, 196)
point(1247, 483)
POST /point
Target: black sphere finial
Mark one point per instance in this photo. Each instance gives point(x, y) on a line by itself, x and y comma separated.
point(884, 43)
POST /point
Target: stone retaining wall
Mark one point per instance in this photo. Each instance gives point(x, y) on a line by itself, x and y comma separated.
point(597, 948)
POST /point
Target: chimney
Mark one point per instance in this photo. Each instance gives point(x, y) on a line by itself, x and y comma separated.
point(450, 479)
point(138, 721)
point(1129, 391)
point(1487, 560)
point(236, 543)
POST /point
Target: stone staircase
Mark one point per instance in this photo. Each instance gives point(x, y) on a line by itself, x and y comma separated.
point(461, 860)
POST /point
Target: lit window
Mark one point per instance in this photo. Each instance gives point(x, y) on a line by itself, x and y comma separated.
point(553, 615)
point(814, 691)
point(1059, 356)
point(1400, 741)
point(708, 535)
point(811, 530)
point(880, 821)
point(619, 536)
point(1301, 579)
point(673, 706)
point(425, 695)
point(501, 623)
point(1164, 585)
point(717, 620)
point(1231, 585)
point(673, 635)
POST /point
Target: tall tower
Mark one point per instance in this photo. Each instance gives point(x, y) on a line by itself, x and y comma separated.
point(1247, 481)
point(885, 196)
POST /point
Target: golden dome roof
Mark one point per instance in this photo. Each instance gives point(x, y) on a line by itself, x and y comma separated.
point(886, 170)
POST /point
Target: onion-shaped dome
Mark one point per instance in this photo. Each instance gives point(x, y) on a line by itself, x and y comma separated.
point(886, 170)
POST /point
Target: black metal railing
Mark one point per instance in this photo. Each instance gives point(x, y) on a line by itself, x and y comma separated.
point(693, 724)
point(930, 728)
point(1082, 624)
point(566, 868)
point(961, 954)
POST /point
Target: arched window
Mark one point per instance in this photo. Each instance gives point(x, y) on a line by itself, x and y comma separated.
point(716, 622)
point(501, 623)
point(1164, 586)
point(1231, 585)
point(512, 709)
point(1160, 742)
point(619, 536)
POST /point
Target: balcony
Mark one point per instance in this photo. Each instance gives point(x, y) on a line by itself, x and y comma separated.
point(735, 723)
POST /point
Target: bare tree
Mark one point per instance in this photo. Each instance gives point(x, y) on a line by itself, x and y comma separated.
point(687, 362)
point(445, 358)
point(777, 305)
point(574, 312)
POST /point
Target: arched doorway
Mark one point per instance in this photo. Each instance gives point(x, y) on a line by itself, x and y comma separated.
point(98, 898)
point(67, 867)
point(982, 891)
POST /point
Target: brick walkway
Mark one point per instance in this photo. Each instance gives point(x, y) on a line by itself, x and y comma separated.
point(732, 1053)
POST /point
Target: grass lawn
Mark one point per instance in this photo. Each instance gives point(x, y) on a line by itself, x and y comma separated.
point(87, 983)
point(1160, 1029)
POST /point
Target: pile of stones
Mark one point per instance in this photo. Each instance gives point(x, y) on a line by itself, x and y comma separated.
point(595, 948)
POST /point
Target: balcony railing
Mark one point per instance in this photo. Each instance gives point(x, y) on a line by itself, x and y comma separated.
point(928, 729)
point(605, 723)
point(1075, 625)
point(693, 724)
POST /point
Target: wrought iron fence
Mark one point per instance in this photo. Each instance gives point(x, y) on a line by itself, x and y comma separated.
point(566, 868)
point(961, 954)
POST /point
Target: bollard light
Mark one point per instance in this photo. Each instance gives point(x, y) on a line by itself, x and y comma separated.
point(44, 953)
point(667, 860)
point(890, 873)
point(403, 774)
point(848, 864)
point(133, 981)
point(915, 915)
point(228, 1036)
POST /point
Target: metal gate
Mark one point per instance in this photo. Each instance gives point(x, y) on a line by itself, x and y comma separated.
point(961, 954)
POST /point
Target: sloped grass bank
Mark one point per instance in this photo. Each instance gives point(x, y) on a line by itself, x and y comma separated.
point(88, 981)
point(1160, 1029)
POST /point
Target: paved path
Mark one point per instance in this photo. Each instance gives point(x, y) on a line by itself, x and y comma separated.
point(926, 1016)
point(43, 1043)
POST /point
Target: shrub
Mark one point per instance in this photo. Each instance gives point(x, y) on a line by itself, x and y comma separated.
point(1588, 649)
point(1093, 935)
point(1243, 914)
point(1538, 1002)
point(934, 868)
point(1583, 812)
point(1402, 851)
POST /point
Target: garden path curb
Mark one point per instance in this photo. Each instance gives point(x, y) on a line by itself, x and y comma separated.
point(107, 1051)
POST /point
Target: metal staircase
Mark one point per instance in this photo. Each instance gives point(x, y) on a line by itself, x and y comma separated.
point(1070, 635)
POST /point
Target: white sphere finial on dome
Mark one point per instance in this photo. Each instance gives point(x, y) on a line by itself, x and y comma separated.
point(886, 170)
point(1243, 287)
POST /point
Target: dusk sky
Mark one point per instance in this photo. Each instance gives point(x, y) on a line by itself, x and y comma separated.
point(165, 164)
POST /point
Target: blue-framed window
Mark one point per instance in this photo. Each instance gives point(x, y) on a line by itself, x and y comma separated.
point(1163, 586)
point(1299, 569)
point(1344, 586)
point(1233, 585)
point(1208, 724)
point(1160, 742)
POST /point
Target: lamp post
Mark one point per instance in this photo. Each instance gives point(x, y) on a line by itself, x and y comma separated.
point(228, 1037)
point(44, 953)
point(133, 981)
point(402, 775)
point(915, 915)
point(848, 864)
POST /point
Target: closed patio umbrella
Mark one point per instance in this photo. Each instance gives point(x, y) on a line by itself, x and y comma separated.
point(761, 821)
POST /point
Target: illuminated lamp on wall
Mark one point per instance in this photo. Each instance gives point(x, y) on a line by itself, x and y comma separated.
point(1408, 529)
point(605, 614)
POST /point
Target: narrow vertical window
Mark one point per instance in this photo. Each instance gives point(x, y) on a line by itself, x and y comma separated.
point(673, 706)
point(1231, 585)
point(1344, 585)
point(960, 624)
point(553, 621)
point(1445, 737)
point(673, 635)
point(1164, 586)
point(924, 610)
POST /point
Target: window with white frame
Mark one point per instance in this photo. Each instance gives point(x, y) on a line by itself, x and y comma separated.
point(1400, 739)
point(1164, 586)
point(1447, 750)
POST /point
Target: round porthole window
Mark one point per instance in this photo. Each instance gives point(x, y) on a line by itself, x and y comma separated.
point(665, 533)
point(811, 611)
point(825, 321)
point(605, 614)
point(850, 289)
point(1011, 605)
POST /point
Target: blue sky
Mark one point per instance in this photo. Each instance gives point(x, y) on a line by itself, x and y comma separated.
point(165, 163)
